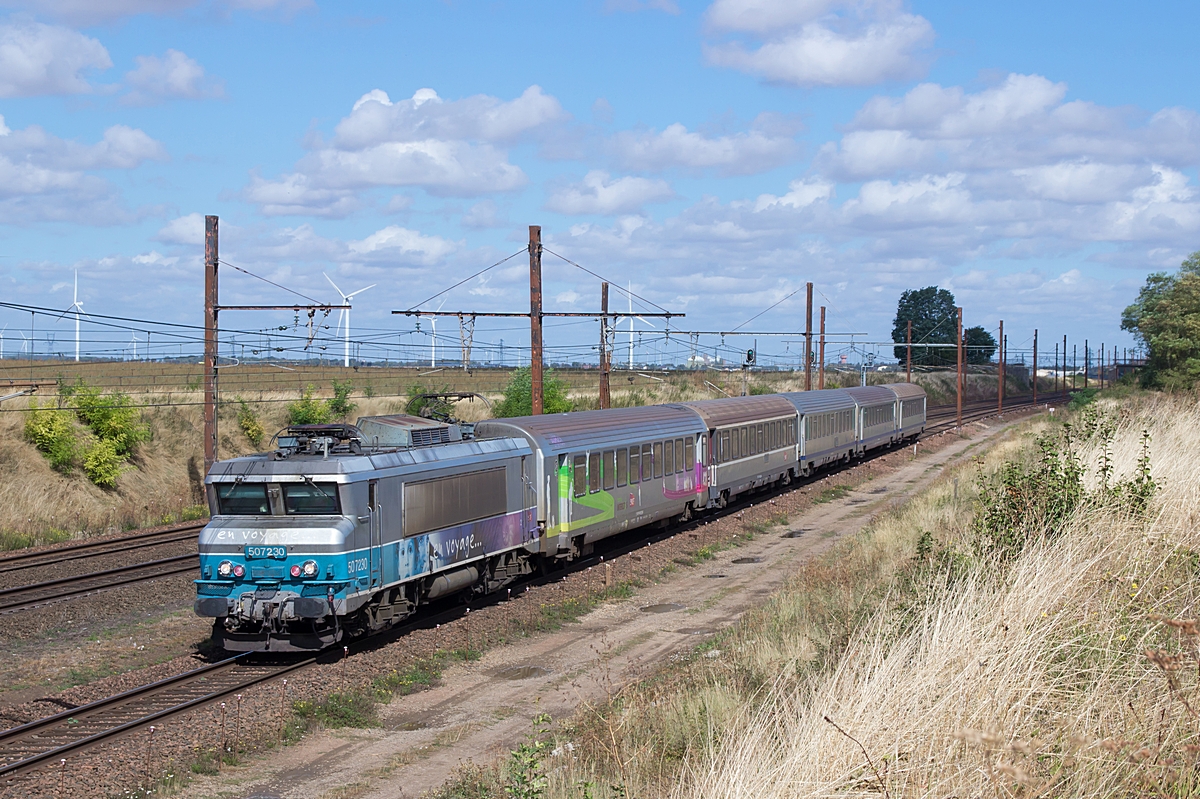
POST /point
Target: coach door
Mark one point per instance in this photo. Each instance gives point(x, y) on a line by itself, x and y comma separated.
point(375, 551)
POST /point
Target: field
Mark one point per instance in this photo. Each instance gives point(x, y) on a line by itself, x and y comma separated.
point(1025, 628)
point(39, 504)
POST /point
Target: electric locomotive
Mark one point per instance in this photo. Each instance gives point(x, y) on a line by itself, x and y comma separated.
point(344, 530)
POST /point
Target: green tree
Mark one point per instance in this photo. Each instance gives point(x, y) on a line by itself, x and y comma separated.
point(341, 406)
point(1166, 318)
point(518, 394)
point(981, 345)
point(934, 321)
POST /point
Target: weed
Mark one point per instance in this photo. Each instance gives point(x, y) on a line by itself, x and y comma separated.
point(350, 709)
point(340, 405)
point(526, 776)
point(252, 428)
point(830, 494)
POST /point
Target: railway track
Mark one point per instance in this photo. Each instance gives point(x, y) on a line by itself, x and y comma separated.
point(49, 592)
point(51, 739)
point(95, 549)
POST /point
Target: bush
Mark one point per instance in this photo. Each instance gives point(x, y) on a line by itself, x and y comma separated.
point(248, 421)
point(103, 464)
point(110, 416)
point(341, 406)
point(308, 409)
point(51, 432)
point(518, 395)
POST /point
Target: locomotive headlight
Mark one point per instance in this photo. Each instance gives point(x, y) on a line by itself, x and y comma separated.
point(310, 568)
point(224, 569)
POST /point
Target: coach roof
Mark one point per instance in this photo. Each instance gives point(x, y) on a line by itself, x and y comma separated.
point(587, 430)
point(740, 410)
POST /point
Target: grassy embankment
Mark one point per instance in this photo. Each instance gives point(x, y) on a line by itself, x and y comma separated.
point(1031, 634)
point(39, 504)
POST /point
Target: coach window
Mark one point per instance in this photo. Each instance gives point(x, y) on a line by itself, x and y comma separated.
point(726, 452)
point(610, 469)
point(648, 462)
point(668, 457)
point(658, 459)
point(689, 454)
point(594, 472)
point(580, 475)
point(679, 455)
point(622, 467)
point(635, 461)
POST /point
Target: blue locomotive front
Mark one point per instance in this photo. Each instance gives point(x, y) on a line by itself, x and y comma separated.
point(344, 530)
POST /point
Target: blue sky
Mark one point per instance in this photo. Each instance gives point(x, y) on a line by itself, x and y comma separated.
point(1036, 159)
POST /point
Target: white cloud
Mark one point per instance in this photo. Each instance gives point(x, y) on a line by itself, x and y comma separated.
point(92, 12)
point(122, 147)
point(676, 146)
point(598, 194)
point(45, 177)
point(174, 75)
point(820, 42)
point(38, 59)
point(186, 230)
point(448, 148)
point(801, 194)
point(293, 195)
point(394, 243)
point(484, 214)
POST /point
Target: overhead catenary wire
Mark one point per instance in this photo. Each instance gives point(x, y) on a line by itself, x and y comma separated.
point(468, 279)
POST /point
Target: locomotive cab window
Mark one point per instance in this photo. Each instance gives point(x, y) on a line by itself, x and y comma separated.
point(243, 499)
point(311, 499)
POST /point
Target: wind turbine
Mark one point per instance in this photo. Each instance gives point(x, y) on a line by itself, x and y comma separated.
point(2, 329)
point(345, 314)
point(76, 308)
point(629, 293)
point(24, 341)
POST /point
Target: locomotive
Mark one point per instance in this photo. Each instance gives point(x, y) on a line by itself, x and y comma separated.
point(344, 530)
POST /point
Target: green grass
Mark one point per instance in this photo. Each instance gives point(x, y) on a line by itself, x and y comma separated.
point(830, 494)
point(11, 539)
point(349, 709)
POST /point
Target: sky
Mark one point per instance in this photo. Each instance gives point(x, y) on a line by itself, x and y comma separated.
point(1036, 159)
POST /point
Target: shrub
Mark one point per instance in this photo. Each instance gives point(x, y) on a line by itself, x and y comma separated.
point(103, 464)
point(518, 395)
point(308, 409)
point(341, 406)
point(51, 432)
point(111, 417)
point(248, 421)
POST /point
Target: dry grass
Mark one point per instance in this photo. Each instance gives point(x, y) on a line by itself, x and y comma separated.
point(905, 665)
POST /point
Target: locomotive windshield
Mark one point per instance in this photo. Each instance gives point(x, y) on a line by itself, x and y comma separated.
point(311, 499)
point(243, 499)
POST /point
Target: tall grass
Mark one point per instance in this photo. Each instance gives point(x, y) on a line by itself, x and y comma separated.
point(916, 661)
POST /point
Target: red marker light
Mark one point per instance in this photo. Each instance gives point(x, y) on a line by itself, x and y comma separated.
point(239, 570)
point(295, 570)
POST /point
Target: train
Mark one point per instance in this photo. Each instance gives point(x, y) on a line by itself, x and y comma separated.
point(345, 530)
